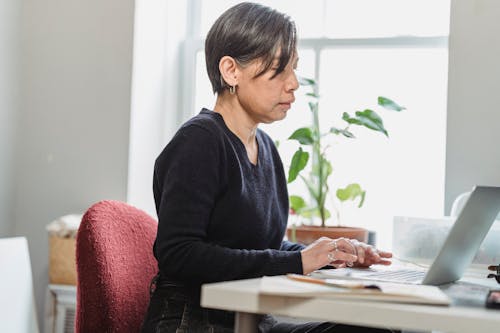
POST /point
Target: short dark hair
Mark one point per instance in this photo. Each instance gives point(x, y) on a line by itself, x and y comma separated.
point(246, 32)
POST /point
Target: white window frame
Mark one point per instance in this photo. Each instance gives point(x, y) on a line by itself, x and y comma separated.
point(193, 44)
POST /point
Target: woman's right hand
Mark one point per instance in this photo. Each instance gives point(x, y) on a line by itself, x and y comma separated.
point(325, 251)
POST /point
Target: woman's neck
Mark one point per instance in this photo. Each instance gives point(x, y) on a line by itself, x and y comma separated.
point(237, 119)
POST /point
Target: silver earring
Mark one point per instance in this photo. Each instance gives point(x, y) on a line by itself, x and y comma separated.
point(232, 90)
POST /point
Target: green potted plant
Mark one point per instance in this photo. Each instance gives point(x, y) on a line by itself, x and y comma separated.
point(312, 151)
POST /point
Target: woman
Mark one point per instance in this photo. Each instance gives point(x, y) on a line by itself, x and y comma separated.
point(220, 188)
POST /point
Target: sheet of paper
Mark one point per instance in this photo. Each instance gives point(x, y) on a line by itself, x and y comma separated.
point(390, 292)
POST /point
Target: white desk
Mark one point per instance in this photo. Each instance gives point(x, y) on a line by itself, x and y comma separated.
point(244, 298)
point(17, 302)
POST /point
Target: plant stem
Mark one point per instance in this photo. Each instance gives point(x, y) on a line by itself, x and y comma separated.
point(317, 160)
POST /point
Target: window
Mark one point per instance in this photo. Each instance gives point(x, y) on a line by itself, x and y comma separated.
point(358, 50)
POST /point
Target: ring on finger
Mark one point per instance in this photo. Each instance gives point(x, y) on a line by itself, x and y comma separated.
point(330, 257)
point(334, 243)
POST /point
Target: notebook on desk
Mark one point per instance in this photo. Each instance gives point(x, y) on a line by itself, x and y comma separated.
point(349, 290)
point(456, 254)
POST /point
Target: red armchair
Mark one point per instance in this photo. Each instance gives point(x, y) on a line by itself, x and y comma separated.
point(115, 265)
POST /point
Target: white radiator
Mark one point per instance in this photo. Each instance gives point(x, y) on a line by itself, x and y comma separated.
point(60, 309)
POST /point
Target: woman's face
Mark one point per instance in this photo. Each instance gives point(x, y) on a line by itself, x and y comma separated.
point(264, 99)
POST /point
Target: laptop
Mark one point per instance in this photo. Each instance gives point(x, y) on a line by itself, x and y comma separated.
point(456, 254)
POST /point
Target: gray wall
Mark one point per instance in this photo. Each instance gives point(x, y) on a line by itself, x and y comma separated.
point(473, 125)
point(74, 115)
point(10, 11)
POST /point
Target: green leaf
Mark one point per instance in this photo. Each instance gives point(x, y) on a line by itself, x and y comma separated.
point(362, 201)
point(313, 106)
point(345, 132)
point(299, 162)
point(389, 104)
point(371, 120)
point(326, 166)
point(335, 130)
point(277, 143)
point(350, 120)
point(348, 134)
point(303, 135)
point(327, 214)
point(297, 203)
point(315, 171)
point(313, 191)
point(351, 192)
point(312, 95)
point(304, 81)
point(309, 212)
point(367, 118)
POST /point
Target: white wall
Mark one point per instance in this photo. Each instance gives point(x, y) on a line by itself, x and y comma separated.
point(74, 115)
point(10, 11)
point(160, 27)
point(473, 125)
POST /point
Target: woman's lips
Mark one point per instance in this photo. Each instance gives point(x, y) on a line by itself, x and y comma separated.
point(287, 104)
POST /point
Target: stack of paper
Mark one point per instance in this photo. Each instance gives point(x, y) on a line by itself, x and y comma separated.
point(359, 290)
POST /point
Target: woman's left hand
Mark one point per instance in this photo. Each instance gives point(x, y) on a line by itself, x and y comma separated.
point(367, 254)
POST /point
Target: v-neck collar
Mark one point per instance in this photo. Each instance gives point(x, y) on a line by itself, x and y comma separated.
point(238, 140)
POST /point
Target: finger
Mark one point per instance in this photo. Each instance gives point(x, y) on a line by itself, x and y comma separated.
point(320, 240)
point(371, 254)
point(339, 255)
point(324, 239)
point(385, 254)
point(345, 245)
point(384, 262)
point(380, 261)
point(331, 257)
point(339, 264)
point(361, 254)
point(334, 245)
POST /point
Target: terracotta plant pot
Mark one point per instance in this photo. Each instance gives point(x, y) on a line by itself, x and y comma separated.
point(307, 234)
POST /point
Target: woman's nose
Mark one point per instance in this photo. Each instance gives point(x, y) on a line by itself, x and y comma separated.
point(293, 83)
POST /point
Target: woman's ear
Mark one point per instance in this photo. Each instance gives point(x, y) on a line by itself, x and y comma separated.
point(229, 70)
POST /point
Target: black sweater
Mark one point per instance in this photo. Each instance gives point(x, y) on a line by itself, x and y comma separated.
point(220, 216)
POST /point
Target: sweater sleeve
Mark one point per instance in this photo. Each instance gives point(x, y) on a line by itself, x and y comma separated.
point(188, 177)
point(290, 246)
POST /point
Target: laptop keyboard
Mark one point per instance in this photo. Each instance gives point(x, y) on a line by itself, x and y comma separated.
point(398, 275)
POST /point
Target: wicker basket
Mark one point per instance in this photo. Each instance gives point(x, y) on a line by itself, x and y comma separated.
point(62, 264)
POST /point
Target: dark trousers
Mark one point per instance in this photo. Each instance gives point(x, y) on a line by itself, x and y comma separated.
point(175, 309)
point(172, 309)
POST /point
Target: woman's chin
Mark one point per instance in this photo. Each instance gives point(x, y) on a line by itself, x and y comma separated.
point(276, 117)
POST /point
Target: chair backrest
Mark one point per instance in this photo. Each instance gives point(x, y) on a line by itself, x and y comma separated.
point(115, 265)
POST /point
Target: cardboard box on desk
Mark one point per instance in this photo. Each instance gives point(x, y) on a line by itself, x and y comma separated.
point(62, 261)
